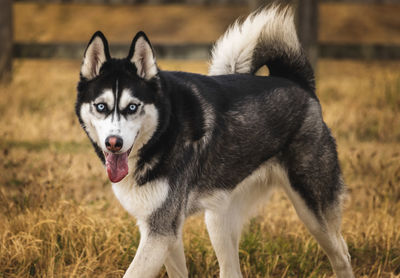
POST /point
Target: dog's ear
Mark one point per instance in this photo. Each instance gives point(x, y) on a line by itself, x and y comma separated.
point(96, 53)
point(141, 54)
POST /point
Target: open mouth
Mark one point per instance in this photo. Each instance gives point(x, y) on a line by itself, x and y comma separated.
point(117, 165)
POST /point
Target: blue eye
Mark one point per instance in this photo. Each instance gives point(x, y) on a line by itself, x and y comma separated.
point(101, 107)
point(132, 108)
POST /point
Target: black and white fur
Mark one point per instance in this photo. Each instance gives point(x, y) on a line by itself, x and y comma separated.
point(216, 143)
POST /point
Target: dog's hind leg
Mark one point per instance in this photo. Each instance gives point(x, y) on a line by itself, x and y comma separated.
point(326, 230)
point(315, 187)
point(175, 262)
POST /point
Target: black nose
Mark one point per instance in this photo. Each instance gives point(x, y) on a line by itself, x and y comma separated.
point(114, 143)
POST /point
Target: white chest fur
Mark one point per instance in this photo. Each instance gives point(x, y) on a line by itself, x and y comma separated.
point(141, 201)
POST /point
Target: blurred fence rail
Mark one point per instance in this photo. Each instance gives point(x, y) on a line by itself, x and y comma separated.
point(76, 50)
point(307, 25)
point(200, 51)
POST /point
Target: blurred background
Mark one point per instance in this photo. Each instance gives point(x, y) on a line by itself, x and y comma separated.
point(185, 29)
point(58, 214)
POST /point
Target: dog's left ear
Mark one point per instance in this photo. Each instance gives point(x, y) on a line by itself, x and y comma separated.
point(96, 54)
point(141, 54)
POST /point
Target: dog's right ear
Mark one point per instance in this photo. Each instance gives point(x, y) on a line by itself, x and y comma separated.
point(96, 53)
point(141, 54)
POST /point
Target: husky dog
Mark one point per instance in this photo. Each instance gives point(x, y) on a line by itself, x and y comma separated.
point(176, 143)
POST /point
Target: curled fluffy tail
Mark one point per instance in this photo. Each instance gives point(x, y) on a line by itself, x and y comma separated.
point(266, 37)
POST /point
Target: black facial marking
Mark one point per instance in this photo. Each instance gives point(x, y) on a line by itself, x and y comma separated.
point(117, 97)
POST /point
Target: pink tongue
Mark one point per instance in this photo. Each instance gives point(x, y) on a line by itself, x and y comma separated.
point(117, 166)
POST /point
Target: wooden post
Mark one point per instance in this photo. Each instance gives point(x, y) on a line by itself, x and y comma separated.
point(307, 28)
point(5, 40)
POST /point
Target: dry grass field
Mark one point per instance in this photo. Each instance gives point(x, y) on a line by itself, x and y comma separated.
point(59, 218)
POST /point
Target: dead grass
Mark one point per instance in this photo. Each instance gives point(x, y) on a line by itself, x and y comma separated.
point(59, 218)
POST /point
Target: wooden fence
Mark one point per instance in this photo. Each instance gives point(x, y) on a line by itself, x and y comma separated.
point(307, 26)
point(6, 44)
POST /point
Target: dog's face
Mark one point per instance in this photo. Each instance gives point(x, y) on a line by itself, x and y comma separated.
point(116, 101)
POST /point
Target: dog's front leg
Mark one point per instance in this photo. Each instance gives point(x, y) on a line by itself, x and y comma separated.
point(175, 263)
point(150, 256)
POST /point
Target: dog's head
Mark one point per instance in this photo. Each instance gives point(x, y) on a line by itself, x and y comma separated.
point(117, 101)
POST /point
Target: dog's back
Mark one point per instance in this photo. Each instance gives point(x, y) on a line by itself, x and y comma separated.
point(237, 122)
